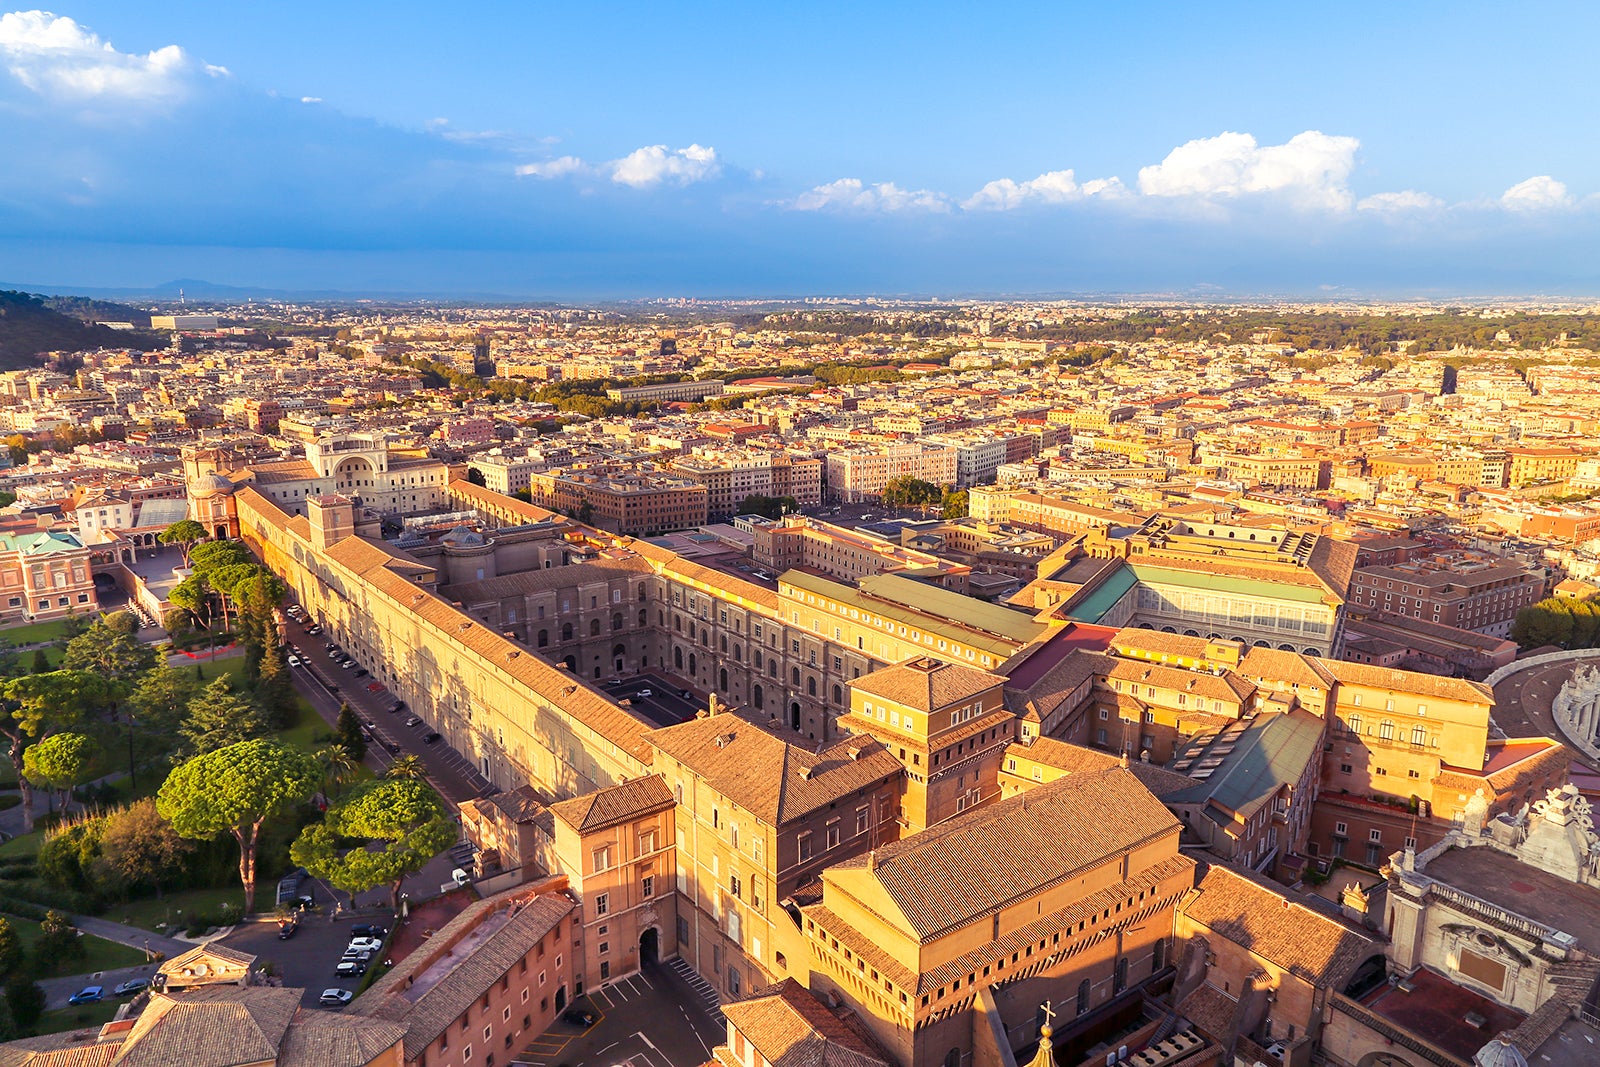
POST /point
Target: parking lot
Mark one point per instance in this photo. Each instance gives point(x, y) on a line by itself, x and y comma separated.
point(665, 706)
point(308, 958)
point(654, 1018)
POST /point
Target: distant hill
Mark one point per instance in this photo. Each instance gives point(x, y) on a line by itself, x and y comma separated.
point(30, 326)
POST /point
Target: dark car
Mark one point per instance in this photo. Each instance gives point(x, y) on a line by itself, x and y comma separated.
point(362, 673)
point(392, 746)
point(369, 930)
point(430, 737)
point(350, 970)
point(303, 902)
point(398, 705)
point(287, 930)
point(578, 1017)
point(131, 986)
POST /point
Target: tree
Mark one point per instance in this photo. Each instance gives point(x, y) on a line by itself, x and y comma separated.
point(953, 505)
point(194, 596)
point(347, 733)
point(157, 709)
point(41, 662)
point(404, 815)
point(237, 789)
point(139, 847)
point(184, 533)
point(408, 768)
point(219, 717)
point(10, 948)
point(1544, 623)
point(26, 1000)
point(58, 938)
point(60, 761)
point(113, 652)
point(337, 765)
point(38, 705)
point(771, 507)
point(908, 492)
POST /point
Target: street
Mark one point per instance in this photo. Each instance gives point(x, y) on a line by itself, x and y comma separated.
point(653, 1018)
point(1522, 703)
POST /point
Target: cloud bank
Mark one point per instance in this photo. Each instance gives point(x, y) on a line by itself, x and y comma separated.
point(53, 56)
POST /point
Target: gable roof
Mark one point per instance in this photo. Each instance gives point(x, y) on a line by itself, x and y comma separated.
point(927, 684)
point(615, 804)
point(213, 1026)
point(791, 1028)
point(765, 770)
point(958, 871)
point(1280, 930)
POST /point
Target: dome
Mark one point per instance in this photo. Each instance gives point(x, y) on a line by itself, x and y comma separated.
point(1500, 1053)
point(211, 485)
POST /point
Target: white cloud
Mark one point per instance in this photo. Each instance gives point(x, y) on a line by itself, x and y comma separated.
point(655, 164)
point(1311, 170)
point(1404, 201)
point(1051, 187)
point(553, 168)
point(55, 57)
point(852, 194)
point(311, 99)
point(1541, 193)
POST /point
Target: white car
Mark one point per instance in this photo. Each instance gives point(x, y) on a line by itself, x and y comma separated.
point(294, 661)
point(335, 998)
point(645, 693)
point(364, 944)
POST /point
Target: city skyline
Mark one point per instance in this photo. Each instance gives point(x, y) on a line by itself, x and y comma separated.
point(620, 152)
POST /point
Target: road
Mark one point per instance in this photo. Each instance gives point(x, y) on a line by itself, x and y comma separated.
point(653, 1018)
point(1522, 703)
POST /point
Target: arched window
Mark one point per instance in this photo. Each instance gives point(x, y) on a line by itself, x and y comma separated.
point(772, 668)
point(616, 621)
point(794, 716)
point(811, 687)
point(1386, 730)
point(722, 679)
point(1355, 725)
point(838, 695)
point(1083, 996)
point(794, 675)
point(594, 627)
point(738, 653)
point(677, 658)
point(544, 638)
point(644, 616)
point(1419, 735)
point(755, 657)
point(761, 697)
point(953, 1058)
point(723, 639)
point(693, 669)
point(566, 631)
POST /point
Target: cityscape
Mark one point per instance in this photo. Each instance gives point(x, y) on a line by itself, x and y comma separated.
point(689, 623)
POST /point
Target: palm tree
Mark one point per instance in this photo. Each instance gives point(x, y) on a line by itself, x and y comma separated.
point(337, 765)
point(406, 767)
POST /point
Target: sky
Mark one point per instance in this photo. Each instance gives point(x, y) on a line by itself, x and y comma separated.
point(600, 150)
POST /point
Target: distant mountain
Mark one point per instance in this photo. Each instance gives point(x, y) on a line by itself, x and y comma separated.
point(30, 327)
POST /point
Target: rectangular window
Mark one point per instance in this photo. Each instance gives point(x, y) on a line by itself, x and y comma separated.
point(833, 836)
point(649, 885)
point(805, 846)
point(602, 858)
point(602, 903)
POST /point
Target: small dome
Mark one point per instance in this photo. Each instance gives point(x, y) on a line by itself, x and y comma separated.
point(1500, 1053)
point(211, 485)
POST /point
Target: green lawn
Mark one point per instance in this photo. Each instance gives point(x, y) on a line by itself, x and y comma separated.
point(26, 845)
point(33, 632)
point(175, 909)
point(100, 954)
point(79, 1016)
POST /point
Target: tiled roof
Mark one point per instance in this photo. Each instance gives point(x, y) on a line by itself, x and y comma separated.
point(1281, 931)
point(927, 684)
point(766, 771)
point(1227, 686)
point(614, 804)
point(958, 871)
point(452, 980)
point(1077, 759)
point(1400, 681)
point(791, 1028)
point(1057, 683)
point(213, 1026)
point(321, 1039)
point(1211, 1010)
point(519, 805)
point(69, 1048)
point(1271, 752)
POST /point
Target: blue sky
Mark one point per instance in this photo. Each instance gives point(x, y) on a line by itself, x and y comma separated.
point(594, 150)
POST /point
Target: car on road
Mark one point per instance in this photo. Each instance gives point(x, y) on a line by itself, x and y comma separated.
point(645, 693)
point(347, 664)
point(412, 720)
point(398, 705)
point(392, 746)
point(313, 629)
point(87, 995)
point(361, 673)
point(294, 661)
point(335, 998)
point(430, 737)
point(287, 928)
point(131, 986)
point(350, 969)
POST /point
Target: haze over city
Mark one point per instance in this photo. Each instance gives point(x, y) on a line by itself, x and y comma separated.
point(606, 150)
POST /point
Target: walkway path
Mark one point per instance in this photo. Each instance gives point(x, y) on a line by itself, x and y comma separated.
point(132, 936)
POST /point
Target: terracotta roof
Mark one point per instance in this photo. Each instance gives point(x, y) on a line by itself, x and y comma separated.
point(213, 1026)
point(1211, 1010)
point(791, 1028)
point(1408, 681)
point(323, 1039)
point(429, 990)
point(1056, 684)
point(615, 804)
point(1227, 686)
point(69, 1048)
point(1281, 931)
point(519, 805)
point(766, 771)
point(958, 871)
point(1077, 759)
point(927, 684)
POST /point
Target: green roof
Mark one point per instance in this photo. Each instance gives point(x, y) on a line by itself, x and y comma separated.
point(1227, 583)
point(1250, 767)
point(1105, 596)
point(969, 611)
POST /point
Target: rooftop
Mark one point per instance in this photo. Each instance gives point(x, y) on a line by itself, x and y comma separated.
point(1436, 1010)
point(1506, 881)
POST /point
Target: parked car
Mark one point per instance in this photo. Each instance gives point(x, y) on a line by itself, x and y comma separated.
point(361, 673)
point(578, 1017)
point(412, 720)
point(368, 930)
point(313, 629)
point(365, 944)
point(335, 998)
point(645, 693)
point(287, 929)
point(131, 986)
point(87, 995)
point(398, 705)
point(350, 970)
point(294, 661)
point(303, 902)
point(430, 737)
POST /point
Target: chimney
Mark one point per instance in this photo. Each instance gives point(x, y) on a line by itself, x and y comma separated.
point(872, 859)
point(805, 774)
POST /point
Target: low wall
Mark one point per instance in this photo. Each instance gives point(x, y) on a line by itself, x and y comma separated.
point(1567, 656)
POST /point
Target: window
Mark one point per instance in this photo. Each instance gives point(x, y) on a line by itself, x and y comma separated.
point(805, 846)
point(605, 970)
point(1419, 735)
point(602, 858)
point(1345, 768)
point(1386, 730)
point(605, 948)
point(648, 888)
point(647, 842)
point(1340, 828)
point(1374, 835)
point(861, 813)
point(602, 903)
point(833, 836)
point(733, 884)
